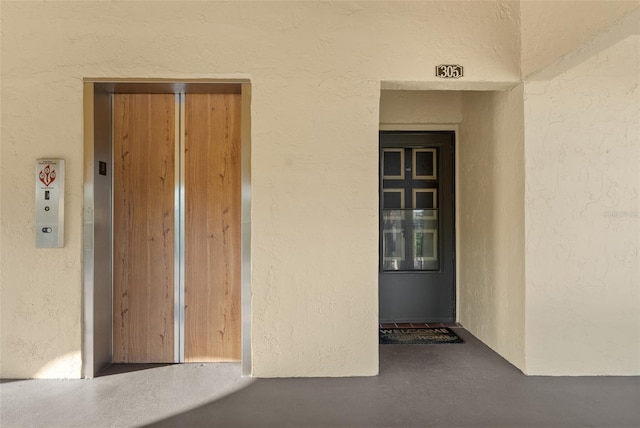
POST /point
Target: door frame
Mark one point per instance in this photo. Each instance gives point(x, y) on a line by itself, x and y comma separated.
point(97, 269)
point(418, 127)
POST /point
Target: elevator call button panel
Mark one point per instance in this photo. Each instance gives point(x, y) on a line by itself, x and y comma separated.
point(50, 203)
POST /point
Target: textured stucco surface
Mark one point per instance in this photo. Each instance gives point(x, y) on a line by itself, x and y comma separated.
point(315, 69)
point(491, 221)
point(420, 107)
point(553, 28)
point(582, 171)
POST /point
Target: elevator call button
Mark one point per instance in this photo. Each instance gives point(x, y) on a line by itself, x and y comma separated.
point(49, 179)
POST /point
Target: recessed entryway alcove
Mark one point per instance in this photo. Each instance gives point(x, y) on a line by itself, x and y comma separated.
point(488, 125)
point(166, 236)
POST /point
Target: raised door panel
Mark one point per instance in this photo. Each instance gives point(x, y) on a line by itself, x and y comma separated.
point(143, 227)
point(212, 252)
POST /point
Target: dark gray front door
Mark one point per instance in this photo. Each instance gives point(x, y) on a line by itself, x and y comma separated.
point(417, 233)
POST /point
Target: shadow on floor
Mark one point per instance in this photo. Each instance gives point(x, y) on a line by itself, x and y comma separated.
point(113, 369)
point(426, 385)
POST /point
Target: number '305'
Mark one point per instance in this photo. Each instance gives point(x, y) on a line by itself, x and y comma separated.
point(449, 71)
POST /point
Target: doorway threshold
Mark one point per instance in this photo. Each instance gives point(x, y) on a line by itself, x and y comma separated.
point(420, 325)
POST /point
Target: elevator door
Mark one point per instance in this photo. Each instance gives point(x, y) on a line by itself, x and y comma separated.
point(143, 229)
point(212, 227)
point(176, 226)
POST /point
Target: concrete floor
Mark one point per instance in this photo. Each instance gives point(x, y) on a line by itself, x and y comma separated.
point(419, 385)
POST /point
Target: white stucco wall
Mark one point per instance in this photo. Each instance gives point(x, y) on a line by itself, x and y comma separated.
point(582, 152)
point(554, 28)
point(420, 107)
point(316, 69)
point(491, 272)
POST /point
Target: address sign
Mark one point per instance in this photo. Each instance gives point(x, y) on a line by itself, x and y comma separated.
point(449, 71)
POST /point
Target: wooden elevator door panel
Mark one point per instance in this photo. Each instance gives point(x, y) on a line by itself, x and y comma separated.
point(212, 227)
point(143, 227)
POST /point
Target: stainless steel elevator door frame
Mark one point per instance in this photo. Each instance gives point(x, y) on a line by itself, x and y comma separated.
point(97, 347)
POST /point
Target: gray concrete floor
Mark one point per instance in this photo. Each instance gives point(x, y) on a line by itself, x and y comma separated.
point(419, 385)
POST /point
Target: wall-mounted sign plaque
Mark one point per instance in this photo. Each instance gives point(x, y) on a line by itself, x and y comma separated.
point(449, 71)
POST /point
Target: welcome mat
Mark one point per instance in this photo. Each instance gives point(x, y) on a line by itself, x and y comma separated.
point(418, 336)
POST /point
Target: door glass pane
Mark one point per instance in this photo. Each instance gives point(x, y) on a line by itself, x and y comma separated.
point(410, 240)
point(393, 164)
point(425, 163)
point(425, 198)
point(393, 198)
point(393, 240)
